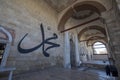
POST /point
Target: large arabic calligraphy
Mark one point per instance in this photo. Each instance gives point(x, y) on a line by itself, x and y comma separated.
point(42, 44)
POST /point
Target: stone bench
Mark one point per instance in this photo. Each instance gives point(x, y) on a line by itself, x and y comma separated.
point(6, 72)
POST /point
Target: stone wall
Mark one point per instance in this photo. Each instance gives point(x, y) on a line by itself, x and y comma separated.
point(25, 16)
point(112, 18)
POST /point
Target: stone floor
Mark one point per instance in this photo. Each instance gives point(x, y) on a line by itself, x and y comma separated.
point(99, 62)
point(64, 74)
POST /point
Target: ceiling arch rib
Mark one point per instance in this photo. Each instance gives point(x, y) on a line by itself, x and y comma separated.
point(89, 42)
point(96, 38)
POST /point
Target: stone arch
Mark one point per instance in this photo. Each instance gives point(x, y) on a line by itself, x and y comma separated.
point(99, 39)
point(8, 45)
point(3, 35)
point(7, 33)
point(101, 29)
point(92, 5)
point(104, 43)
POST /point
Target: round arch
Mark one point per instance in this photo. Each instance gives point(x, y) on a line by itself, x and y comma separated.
point(92, 5)
point(99, 39)
point(102, 45)
point(103, 42)
point(101, 29)
point(7, 33)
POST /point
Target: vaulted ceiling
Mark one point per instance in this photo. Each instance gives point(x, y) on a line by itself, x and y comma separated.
point(60, 5)
point(80, 13)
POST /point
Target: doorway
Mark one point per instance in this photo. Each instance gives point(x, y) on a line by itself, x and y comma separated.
point(72, 53)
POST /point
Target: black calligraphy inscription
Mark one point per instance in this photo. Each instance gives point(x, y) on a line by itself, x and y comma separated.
point(42, 44)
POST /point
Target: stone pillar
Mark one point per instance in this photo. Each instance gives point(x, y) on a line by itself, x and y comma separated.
point(67, 51)
point(77, 51)
point(80, 51)
point(108, 50)
point(83, 51)
point(89, 53)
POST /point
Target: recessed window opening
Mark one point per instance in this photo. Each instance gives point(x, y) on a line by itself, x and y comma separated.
point(99, 48)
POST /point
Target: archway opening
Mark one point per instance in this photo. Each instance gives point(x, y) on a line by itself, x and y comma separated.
point(77, 15)
point(99, 48)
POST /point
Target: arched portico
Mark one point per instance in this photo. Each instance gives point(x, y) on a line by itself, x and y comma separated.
point(80, 6)
point(92, 5)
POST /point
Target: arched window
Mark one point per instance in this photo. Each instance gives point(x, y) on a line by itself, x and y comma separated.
point(99, 48)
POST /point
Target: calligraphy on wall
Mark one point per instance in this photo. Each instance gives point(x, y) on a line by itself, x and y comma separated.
point(42, 44)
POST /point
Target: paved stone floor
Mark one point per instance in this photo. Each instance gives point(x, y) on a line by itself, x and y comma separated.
point(64, 74)
point(99, 62)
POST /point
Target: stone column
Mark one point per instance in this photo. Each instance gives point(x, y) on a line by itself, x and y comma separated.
point(67, 51)
point(77, 51)
point(89, 53)
point(80, 51)
point(83, 51)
